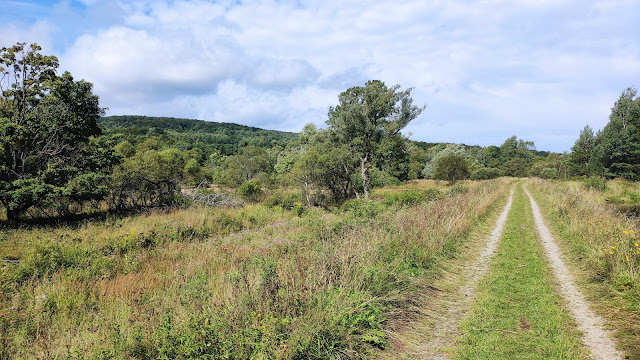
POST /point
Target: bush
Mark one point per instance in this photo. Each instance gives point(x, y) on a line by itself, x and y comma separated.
point(412, 197)
point(596, 183)
point(549, 173)
point(251, 190)
point(283, 199)
point(380, 179)
point(452, 168)
point(362, 209)
point(486, 174)
point(458, 189)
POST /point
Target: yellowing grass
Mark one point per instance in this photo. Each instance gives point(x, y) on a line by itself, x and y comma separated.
point(601, 241)
point(256, 282)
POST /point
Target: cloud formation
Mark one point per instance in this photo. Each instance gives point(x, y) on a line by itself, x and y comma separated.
point(486, 70)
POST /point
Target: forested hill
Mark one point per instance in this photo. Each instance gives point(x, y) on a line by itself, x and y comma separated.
point(186, 134)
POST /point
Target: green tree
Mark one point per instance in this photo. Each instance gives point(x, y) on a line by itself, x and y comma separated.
point(582, 151)
point(438, 152)
point(46, 126)
point(452, 167)
point(417, 159)
point(369, 117)
point(252, 162)
point(147, 179)
point(618, 145)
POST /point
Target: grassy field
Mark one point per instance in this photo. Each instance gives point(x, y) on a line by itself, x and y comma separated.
point(262, 282)
point(516, 313)
point(602, 245)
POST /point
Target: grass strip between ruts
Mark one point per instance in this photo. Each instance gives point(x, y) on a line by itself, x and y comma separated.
point(516, 313)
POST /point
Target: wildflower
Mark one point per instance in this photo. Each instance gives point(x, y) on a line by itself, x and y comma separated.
point(628, 258)
point(613, 247)
point(626, 232)
point(636, 244)
point(611, 252)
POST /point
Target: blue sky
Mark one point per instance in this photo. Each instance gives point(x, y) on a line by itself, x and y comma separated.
point(537, 69)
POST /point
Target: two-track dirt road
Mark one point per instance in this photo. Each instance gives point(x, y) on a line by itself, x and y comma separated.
point(455, 307)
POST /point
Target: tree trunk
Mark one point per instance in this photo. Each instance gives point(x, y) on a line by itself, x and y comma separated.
point(12, 217)
point(364, 166)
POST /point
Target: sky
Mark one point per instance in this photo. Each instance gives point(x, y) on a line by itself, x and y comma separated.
point(486, 70)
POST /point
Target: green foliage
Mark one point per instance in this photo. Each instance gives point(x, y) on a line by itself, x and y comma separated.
point(147, 179)
point(515, 167)
point(368, 121)
point(251, 190)
point(125, 149)
point(285, 200)
point(362, 209)
point(614, 151)
point(458, 189)
point(486, 174)
point(405, 198)
point(618, 145)
point(548, 173)
point(48, 155)
point(595, 183)
point(437, 152)
point(452, 167)
point(582, 152)
point(252, 162)
point(206, 136)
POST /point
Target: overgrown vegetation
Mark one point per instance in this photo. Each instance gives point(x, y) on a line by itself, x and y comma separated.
point(603, 242)
point(262, 281)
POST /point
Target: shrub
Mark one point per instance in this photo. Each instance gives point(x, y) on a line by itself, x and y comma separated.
point(458, 189)
point(596, 183)
point(452, 168)
point(486, 174)
point(549, 173)
point(412, 197)
point(362, 209)
point(250, 190)
point(283, 199)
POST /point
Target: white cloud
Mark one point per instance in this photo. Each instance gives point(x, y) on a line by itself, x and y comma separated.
point(487, 70)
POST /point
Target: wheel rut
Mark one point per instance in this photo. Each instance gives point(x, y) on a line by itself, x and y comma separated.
point(595, 337)
point(456, 309)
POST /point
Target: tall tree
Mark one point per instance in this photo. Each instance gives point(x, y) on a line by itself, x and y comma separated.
point(618, 145)
point(369, 117)
point(46, 126)
point(582, 151)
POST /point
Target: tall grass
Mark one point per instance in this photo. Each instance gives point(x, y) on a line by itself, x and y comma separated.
point(605, 238)
point(604, 242)
point(259, 282)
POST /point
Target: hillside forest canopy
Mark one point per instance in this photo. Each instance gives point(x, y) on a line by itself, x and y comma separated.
point(60, 156)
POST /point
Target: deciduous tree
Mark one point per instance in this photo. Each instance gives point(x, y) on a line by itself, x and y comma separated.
point(46, 126)
point(368, 117)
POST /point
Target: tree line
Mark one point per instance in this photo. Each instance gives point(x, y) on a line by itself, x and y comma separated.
point(59, 155)
point(614, 151)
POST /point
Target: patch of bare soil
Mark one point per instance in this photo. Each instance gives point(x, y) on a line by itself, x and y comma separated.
point(595, 337)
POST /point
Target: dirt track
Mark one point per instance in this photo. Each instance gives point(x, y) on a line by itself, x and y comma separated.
point(456, 307)
point(595, 337)
point(456, 310)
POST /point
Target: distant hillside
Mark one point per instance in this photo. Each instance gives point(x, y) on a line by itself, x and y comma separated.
point(187, 134)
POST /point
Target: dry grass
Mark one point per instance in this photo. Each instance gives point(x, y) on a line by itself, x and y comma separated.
point(239, 283)
point(602, 246)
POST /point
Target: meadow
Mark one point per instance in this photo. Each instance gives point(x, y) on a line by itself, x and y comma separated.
point(268, 281)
